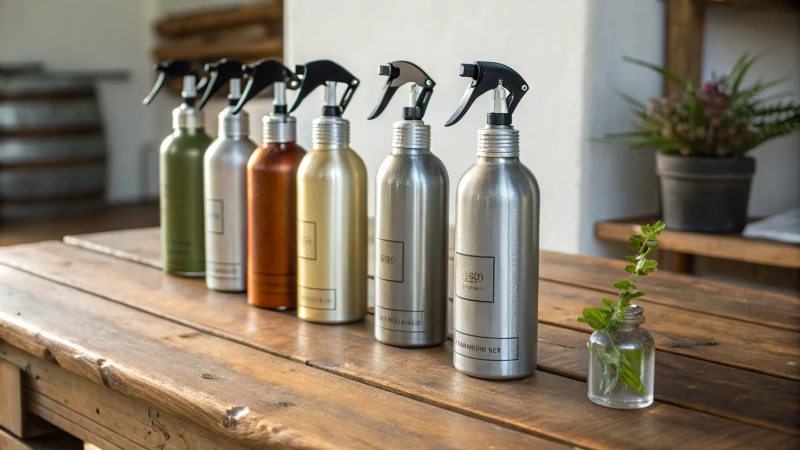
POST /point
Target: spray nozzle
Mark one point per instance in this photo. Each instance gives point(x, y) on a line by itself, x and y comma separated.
point(327, 73)
point(487, 76)
point(400, 73)
point(222, 72)
point(263, 74)
point(177, 68)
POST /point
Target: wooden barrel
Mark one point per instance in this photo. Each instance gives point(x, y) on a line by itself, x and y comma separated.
point(52, 148)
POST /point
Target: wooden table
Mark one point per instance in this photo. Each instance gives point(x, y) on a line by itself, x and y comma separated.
point(100, 343)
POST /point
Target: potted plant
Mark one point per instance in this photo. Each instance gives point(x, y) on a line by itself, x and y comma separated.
point(703, 135)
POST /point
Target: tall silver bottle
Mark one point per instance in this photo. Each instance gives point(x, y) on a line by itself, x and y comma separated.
point(411, 222)
point(225, 184)
point(496, 273)
point(331, 207)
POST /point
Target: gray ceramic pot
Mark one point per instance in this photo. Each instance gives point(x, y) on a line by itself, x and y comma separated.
point(707, 195)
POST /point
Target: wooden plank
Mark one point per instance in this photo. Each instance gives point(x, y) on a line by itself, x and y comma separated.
point(106, 416)
point(351, 351)
point(110, 218)
point(60, 441)
point(684, 55)
point(690, 293)
point(247, 396)
point(220, 18)
point(689, 383)
point(754, 4)
point(247, 51)
point(724, 246)
point(737, 344)
point(11, 408)
point(709, 297)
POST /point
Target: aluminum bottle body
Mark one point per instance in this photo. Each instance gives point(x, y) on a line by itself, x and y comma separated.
point(332, 235)
point(411, 245)
point(272, 217)
point(181, 185)
point(225, 181)
point(496, 272)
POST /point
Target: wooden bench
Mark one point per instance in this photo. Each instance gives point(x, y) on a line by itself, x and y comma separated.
point(119, 354)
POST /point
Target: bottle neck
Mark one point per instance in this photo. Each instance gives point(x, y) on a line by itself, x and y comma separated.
point(498, 141)
point(411, 137)
point(330, 133)
point(234, 126)
point(185, 116)
point(279, 128)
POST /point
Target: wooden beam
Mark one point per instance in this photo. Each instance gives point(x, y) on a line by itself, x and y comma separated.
point(216, 19)
point(60, 441)
point(684, 55)
point(246, 51)
point(11, 408)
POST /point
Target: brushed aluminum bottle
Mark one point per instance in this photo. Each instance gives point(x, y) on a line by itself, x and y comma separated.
point(496, 272)
point(331, 227)
point(225, 189)
point(181, 186)
point(411, 241)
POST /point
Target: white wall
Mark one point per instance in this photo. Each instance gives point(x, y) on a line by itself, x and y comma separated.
point(730, 32)
point(545, 41)
point(615, 180)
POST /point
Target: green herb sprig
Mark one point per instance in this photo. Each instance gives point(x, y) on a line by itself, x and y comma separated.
point(612, 315)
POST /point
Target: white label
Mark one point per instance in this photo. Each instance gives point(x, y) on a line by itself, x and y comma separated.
point(224, 270)
point(214, 216)
point(399, 320)
point(485, 348)
point(306, 239)
point(390, 260)
point(316, 298)
point(474, 277)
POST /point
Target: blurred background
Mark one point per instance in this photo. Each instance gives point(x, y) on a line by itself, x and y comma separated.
point(570, 52)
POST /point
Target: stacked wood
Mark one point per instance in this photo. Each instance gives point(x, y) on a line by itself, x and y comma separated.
point(248, 33)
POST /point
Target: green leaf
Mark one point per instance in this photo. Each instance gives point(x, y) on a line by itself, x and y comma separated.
point(646, 230)
point(635, 241)
point(631, 258)
point(664, 72)
point(608, 304)
point(606, 358)
point(630, 377)
point(630, 268)
point(595, 317)
point(658, 227)
point(628, 296)
point(624, 285)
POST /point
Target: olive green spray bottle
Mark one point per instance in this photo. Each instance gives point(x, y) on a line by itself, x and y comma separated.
point(181, 177)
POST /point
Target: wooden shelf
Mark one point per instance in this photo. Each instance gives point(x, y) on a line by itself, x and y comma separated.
point(732, 247)
point(111, 218)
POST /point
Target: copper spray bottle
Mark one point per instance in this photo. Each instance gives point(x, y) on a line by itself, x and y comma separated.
point(272, 193)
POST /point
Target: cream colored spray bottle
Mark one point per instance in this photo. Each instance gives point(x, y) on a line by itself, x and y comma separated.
point(331, 207)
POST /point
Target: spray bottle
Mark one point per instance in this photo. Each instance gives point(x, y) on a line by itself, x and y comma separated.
point(225, 183)
point(496, 269)
point(331, 207)
point(272, 193)
point(411, 222)
point(181, 177)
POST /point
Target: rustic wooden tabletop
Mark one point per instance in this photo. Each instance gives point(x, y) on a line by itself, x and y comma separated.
point(111, 350)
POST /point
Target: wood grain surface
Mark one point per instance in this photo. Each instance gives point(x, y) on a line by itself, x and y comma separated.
point(247, 396)
point(421, 374)
point(709, 297)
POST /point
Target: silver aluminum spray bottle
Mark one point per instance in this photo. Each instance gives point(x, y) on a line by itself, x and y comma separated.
point(496, 273)
point(331, 207)
point(225, 184)
point(411, 222)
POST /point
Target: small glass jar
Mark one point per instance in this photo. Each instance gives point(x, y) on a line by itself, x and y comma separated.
point(629, 343)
